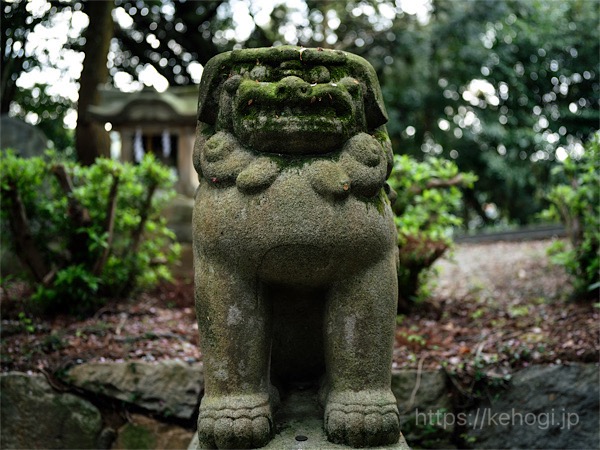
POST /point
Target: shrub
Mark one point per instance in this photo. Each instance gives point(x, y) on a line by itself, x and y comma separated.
point(429, 198)
point(85, 234)
point(576, 202)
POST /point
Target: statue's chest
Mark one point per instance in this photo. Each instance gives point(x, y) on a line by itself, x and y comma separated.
point(290, 216)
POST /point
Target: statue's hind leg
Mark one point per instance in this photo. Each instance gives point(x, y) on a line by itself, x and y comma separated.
point(360, 408)
point(234, 325)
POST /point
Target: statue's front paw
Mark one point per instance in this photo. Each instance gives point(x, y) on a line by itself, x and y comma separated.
point(328, 179)
point(235, 422)
point(362, 419)
point(221, 159)
point(257, 176)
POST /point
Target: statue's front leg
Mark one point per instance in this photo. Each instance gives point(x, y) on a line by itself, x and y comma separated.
point(234, 325)
point(360, 408)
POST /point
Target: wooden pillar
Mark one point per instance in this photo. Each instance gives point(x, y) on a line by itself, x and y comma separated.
point(126, 145)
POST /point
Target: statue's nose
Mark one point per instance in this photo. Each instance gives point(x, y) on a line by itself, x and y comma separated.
point(292, 86)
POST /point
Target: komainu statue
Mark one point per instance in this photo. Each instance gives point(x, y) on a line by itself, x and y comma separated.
point(295, 247)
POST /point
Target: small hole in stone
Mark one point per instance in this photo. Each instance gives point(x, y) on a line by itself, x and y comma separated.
point(301, 438)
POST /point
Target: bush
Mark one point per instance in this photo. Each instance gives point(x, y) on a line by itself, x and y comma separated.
point(576, 203)
point(429, 198)
point(85, 234)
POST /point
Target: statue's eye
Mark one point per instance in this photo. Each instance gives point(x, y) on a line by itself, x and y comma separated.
point(259, 73)
point(232, 84)
point(319, 74)
point(352, 85)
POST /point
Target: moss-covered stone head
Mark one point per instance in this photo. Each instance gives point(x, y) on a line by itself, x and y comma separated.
point(314, 100)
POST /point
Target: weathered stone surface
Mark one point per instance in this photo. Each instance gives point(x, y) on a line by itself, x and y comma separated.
point(171, 388)
point(142, 432)
point(35, 416)
point(25, 139)
point(295, 245)
point(544, 407)
point(420, 404)
point(432, 393)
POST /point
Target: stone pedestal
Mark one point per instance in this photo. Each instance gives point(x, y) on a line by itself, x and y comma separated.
point(299, 425)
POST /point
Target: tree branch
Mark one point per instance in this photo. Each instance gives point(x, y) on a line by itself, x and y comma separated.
point(437, 183)
point(78, 214)
point(137, 233)
point(136, 236)
point(109, 227)
point(27, 251)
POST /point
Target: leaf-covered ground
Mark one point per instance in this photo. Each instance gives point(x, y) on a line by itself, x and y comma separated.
point(496, 307)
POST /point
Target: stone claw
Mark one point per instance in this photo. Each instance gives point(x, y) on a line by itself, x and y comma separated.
point(234, 422)
point(363, 419)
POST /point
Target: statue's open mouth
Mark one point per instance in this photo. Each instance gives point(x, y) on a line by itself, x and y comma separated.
point(293, 117)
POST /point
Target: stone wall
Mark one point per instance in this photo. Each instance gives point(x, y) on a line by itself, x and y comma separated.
point(542, 407)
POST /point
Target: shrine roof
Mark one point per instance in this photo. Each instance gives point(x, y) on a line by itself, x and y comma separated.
point(177, 106)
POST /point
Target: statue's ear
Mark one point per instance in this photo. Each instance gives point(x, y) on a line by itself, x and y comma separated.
point(215, 73)
point(361, 69)
point(374, 108)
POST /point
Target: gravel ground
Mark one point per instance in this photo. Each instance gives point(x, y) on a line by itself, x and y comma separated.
point(501, 269)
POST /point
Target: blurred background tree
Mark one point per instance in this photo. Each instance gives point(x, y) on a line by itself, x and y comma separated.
point(507, 89)
point(38, 103)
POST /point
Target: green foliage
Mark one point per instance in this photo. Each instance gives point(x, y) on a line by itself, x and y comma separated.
point(515, 84)
point(429, 198)
point(95, 232)
point(26, 322)
point(499, 86)
point(576, 202)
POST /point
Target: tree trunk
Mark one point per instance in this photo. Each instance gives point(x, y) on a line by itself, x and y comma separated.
point(16, 31)
point(91, 140)
point(471, 200)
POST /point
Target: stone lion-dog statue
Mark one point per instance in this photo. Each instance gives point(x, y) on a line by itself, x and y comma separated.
point(295, 247)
